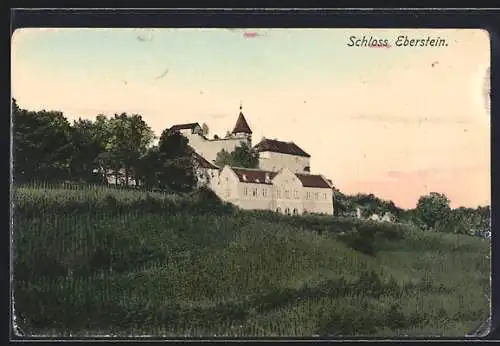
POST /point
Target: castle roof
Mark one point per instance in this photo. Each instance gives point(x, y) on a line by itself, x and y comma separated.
point(188, 126)
point(254, 176)
point(310, 180)
point(241, 125)
point(204, 163)
point(276, 146)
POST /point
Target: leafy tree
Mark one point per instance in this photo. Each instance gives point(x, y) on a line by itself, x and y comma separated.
point(466, 221)
point(204, 129)
point(149, 167)
point(89, 141)
point(42, 145)
point(433, 208)
point(223, 158)
point(242, 156)
point(130, 138)
point(175, 162)
point(346, 205)
point(245, 156)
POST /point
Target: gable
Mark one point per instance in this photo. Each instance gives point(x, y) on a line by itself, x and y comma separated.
point(285, 176)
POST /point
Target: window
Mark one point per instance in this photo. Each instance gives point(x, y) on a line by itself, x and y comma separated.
point(287, 211)
point(308, 195)
point(324, 195)
point(245, 191)
point(254, 192)
point(264, 192)
point(295, 211)
point(278, 210)
point(296, 194)
point(287, 194)
point(316, 196)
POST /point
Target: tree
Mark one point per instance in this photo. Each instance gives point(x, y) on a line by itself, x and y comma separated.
point(242, 156)
point(130, 138)
point(467, 221)
point(89, 141)
point(204, 129)
point(42, 145)
point(149, 167)
point(433, 208)
point(223, 158)
point(175, 162)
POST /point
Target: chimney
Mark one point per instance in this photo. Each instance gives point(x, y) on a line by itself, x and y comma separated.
point(244, 177)
point(268, 179)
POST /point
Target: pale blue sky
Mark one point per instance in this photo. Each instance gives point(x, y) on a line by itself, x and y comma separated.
point(398, 122)
point(279, 56)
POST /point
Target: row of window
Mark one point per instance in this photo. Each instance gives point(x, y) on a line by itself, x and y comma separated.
point(255, 192)
point(287, 211)
point(316, 195)
point(287, 194)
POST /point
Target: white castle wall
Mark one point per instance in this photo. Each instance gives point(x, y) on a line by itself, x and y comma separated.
point(256, 196)
point(317, 200)
point(208, 148)
point(288, 191)
point(271, 161)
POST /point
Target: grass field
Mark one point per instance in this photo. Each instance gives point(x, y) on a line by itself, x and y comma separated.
point(101, 260)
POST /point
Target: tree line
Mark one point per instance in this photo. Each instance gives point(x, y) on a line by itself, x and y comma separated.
point(119, 149)
point(432, 212)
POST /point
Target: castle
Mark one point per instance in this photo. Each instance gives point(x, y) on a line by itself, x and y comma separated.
point(282, 183)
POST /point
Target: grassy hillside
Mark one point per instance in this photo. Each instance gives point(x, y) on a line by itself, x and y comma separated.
point(129, 262)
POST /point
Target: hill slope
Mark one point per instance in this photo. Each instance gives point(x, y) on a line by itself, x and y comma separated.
point(127, 262)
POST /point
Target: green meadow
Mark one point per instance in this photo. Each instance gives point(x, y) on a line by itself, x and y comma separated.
point(100, 260)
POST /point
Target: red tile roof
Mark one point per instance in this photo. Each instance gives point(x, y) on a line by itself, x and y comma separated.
point(280, 147)
point(255, 176)
point(203, 162)
point(310, 180)
point(241, 125)
point(184, 126)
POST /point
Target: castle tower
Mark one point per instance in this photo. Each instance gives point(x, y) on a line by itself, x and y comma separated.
point(241, 129)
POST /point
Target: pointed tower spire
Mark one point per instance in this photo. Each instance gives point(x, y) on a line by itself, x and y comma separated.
point(241, 124)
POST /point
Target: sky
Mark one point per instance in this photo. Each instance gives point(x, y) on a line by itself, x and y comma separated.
point(398, 122)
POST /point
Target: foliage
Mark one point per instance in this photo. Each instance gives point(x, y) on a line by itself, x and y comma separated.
point(130, 138)
point(43, 147)
point(466, 221)
point(177, 169)
point(242, 156)
point(116, 150)
point(204, 129)
point(369, 204)
point(433, 208)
